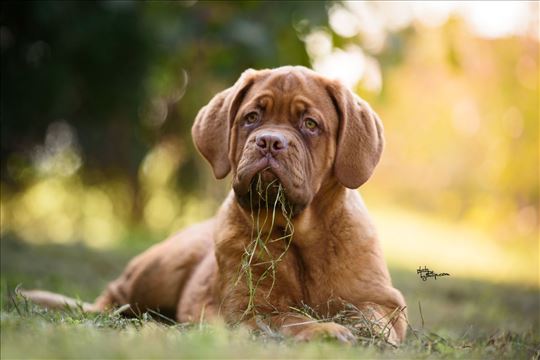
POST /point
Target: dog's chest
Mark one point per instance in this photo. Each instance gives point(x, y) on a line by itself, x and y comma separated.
point(320, 282)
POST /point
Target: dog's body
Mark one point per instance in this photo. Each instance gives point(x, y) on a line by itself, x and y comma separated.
point(292, 126)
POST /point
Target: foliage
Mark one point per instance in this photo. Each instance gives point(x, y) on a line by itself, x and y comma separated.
point(113, 88)
point(98, 99)
point(119, 71)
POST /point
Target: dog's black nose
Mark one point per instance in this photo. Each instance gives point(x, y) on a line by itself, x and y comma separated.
point(271, 142)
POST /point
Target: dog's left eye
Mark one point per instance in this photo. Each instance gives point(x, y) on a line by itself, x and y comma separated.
point(251, 118)
point(310, 124)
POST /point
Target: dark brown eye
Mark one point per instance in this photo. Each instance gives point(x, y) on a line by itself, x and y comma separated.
point(251, 118)
point(310, 124)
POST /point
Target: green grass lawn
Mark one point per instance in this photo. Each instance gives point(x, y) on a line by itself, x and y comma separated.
point(459, 318)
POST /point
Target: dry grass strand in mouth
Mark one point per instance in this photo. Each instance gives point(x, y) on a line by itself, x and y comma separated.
point(257, 252)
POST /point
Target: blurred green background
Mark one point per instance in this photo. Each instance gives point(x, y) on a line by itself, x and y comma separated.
point(98, 98)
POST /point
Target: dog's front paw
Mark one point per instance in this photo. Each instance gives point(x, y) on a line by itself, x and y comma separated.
point(325, 330)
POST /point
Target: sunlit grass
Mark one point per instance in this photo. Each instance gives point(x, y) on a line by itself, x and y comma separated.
point(412, 239)
point(460, 317)
point(70, 333)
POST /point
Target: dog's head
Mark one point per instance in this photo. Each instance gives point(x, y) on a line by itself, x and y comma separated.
point(289, 125)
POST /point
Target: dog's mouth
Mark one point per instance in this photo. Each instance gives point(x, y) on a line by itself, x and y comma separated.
point(261, 186)
point(265, 191)
point(266, 167)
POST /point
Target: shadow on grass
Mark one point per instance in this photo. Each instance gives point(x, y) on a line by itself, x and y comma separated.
point(74, 270)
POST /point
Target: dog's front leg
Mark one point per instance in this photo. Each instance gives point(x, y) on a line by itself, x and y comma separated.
point(302, 328)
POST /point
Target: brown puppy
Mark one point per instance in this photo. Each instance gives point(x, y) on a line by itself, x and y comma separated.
point(318, 140)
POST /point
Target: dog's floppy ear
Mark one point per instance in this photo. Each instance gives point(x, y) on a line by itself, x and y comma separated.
point(212, 125)
point(360, 137)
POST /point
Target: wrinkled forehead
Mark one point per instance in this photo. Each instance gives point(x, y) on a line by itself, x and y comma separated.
point(290, 88)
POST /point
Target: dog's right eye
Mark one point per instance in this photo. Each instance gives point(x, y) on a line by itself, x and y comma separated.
point(251, 118)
